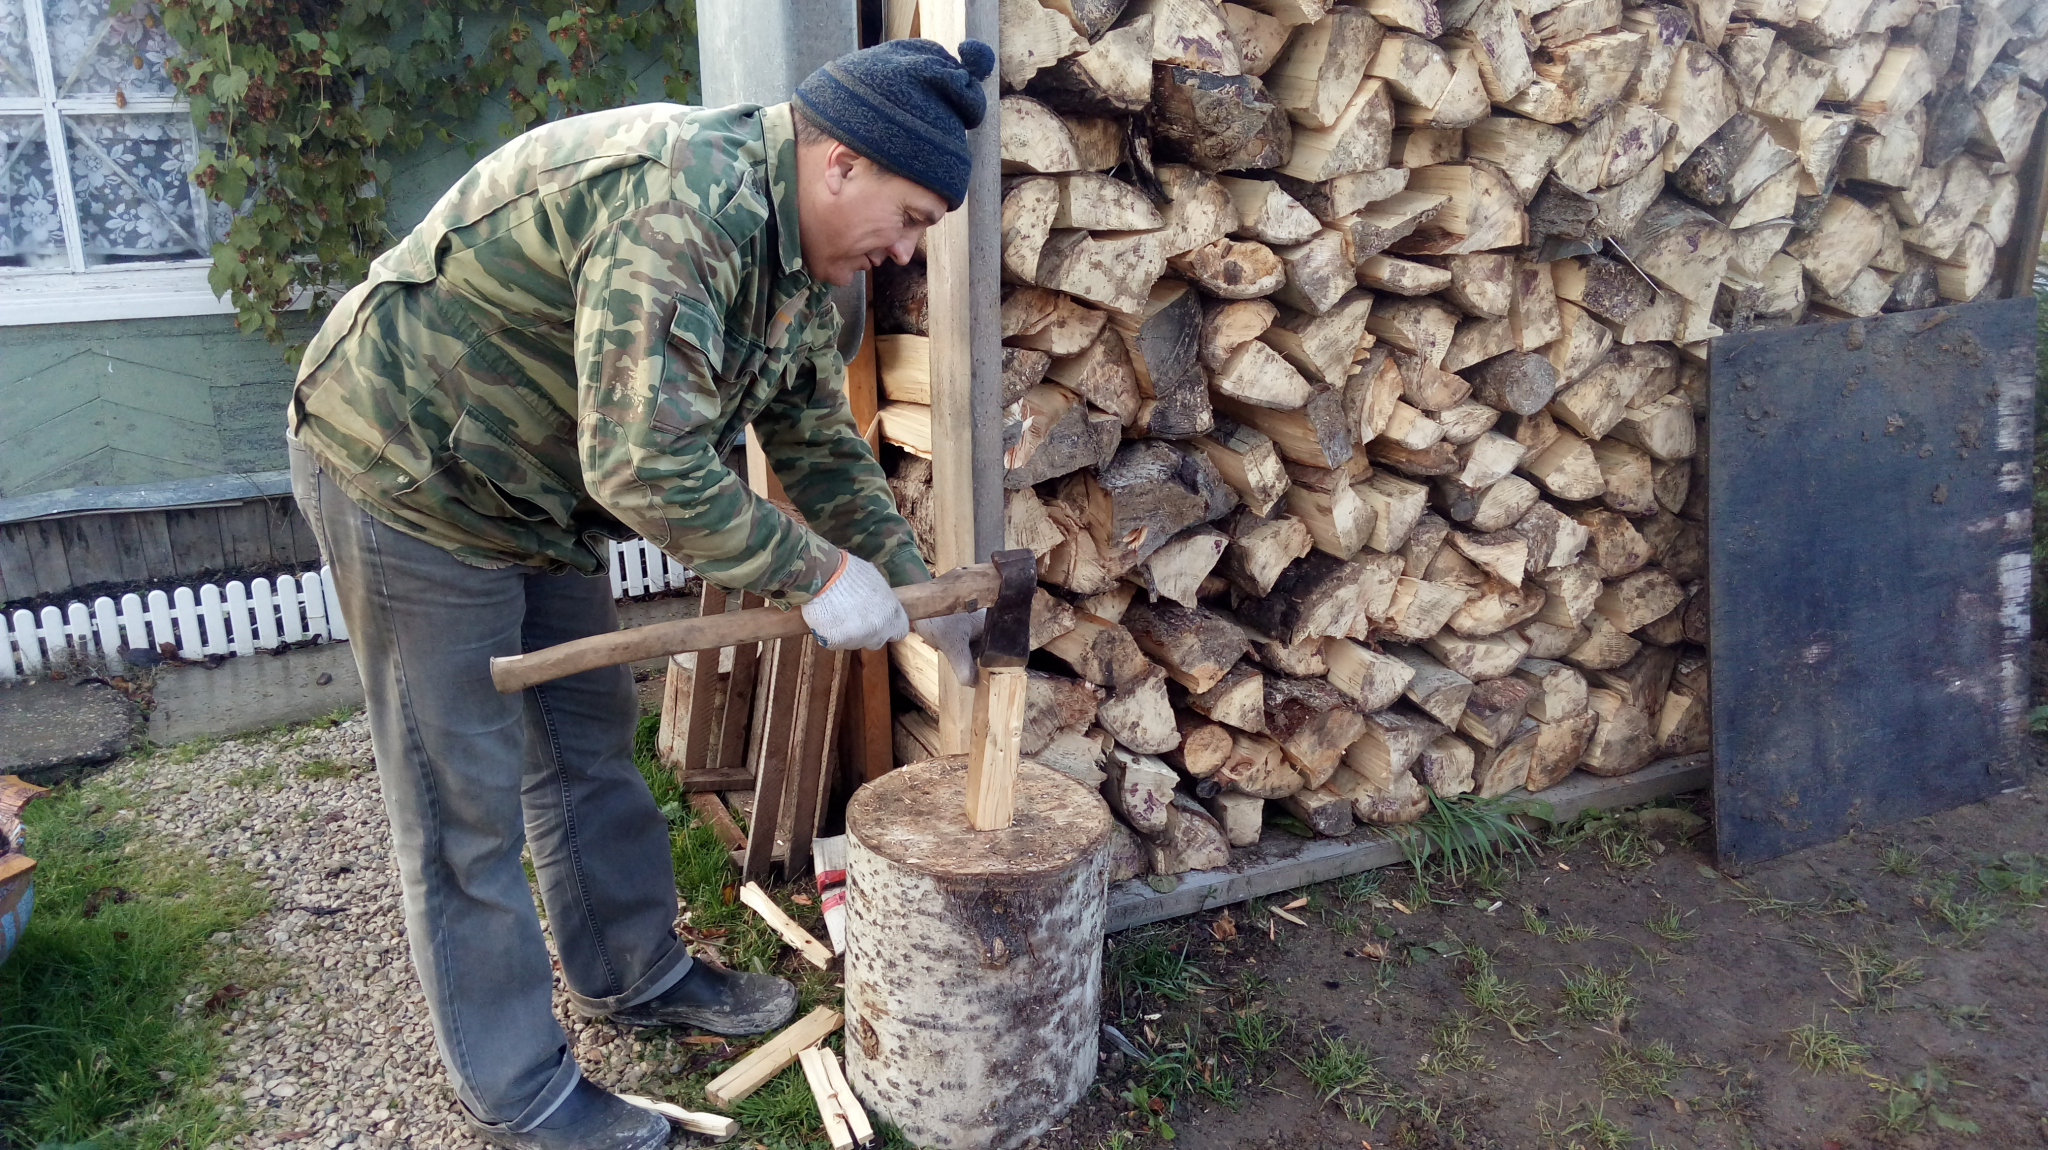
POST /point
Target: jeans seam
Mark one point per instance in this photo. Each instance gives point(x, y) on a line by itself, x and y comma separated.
point(458, 1042)
point(573, 844)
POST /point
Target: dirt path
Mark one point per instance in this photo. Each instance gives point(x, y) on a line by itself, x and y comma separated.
point(1617, 993)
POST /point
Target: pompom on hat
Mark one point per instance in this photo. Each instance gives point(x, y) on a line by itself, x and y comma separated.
point(907, 105)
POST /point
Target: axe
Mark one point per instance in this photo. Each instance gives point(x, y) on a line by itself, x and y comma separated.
point(1004, 586)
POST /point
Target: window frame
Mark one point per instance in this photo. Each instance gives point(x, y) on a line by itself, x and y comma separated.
point(82, 292)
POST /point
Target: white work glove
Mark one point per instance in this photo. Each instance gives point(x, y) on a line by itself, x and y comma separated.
point(951, 634)
point(856, 610)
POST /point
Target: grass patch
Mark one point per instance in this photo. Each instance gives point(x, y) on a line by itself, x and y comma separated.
point(1592, 1130)
point(1462, 836)
point(1598, 996)
point(1900, 862)
point(1670, 926)
point(1622, 845)
point(1455, 1050)
point(1922, 1098)
point(265, 776)
point(1866, 975)
point(1647, 1071)
point(93, 1045)
point(1144, 962)
point(1966, 918)
point(1255, 1032)
point(1572, 932)
point(1818, 1048)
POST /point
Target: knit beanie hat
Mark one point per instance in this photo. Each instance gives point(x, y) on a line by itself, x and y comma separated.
point(907, 105)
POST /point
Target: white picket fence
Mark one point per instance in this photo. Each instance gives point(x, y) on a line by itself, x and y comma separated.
point(235, 619)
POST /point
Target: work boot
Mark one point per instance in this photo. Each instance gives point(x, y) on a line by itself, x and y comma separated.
point(590, 1118)
point(718, 1000)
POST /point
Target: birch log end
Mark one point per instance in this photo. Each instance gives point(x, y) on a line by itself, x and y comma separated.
point(973, 959)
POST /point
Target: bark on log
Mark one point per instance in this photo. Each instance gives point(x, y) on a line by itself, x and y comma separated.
point(912, 863)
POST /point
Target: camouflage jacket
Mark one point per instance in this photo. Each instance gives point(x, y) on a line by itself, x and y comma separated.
point(567, 347)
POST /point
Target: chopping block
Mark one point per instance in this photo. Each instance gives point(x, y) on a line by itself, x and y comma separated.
point(977, 894)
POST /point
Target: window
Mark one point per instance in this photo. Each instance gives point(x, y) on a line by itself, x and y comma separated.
point(99, 218)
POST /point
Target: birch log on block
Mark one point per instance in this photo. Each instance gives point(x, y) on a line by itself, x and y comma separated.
point(1022, 1040)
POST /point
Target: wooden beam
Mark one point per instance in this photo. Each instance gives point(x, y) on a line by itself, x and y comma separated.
point(962, 267)
point(712, 811)
point(1283, 862)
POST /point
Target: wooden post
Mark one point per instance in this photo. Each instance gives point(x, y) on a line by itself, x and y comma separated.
point(2023, 249)
point(965, 326)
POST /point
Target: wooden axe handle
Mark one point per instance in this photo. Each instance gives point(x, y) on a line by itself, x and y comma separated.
point(961, 589)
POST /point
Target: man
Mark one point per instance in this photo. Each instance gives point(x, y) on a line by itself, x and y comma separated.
point(564, 352)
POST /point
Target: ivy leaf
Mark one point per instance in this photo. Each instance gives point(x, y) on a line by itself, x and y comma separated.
point(310, 41)
point(376, 122)
point(231, 86)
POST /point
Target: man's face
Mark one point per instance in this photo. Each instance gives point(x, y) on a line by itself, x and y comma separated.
point(854, 215)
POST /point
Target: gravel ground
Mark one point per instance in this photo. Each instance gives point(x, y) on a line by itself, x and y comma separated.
point(331, 1045)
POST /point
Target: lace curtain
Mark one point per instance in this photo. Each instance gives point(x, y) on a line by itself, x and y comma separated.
point(131, 198)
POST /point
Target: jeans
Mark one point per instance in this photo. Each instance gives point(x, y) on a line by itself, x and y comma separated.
point(470, 776)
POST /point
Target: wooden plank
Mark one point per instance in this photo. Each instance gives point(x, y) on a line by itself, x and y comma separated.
point(866, 739)
point(2015, 276)
point(785, 678)
point(739, 700)
point(195, 542)
point(305, 544)
point(712, 811)
point(46, 556)
point(17, 569)
point(800, 940)
point(245, 534)
point(689, 699)
point(152, 539)
point(717, 781)
point(814, 780)
point(1282, 862)
point(280, 516)
point(93, 549)
point(768, 1059)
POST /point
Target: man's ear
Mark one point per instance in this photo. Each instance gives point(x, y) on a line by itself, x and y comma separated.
point(839, 162)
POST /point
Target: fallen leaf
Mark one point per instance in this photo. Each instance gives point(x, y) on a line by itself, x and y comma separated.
point(1371, 950)
point(1400, 906)
point(1224, 928)
point(800, 899)
point(704, 1040)
point(219, 999)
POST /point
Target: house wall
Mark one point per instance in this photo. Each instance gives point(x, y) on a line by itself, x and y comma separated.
point(123, 403)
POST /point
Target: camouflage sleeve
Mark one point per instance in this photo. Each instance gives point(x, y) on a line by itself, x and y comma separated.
point(808, 435)
point(649, 296)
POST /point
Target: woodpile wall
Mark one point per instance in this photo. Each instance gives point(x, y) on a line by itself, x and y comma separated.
point(1354, 365)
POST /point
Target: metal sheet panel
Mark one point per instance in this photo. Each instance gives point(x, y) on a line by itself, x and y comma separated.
point(1868, 541)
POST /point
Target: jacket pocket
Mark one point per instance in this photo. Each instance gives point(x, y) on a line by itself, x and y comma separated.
point(498, 476)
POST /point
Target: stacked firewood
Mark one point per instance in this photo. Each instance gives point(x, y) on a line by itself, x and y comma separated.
point(1354, 365)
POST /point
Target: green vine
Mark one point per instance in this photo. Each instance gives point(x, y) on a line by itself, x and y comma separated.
point(304, 102)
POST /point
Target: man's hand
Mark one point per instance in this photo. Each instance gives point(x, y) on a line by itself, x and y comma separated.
point(951, 634)
point(856, 610)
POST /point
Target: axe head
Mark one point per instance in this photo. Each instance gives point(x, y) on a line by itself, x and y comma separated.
point(1006, 630)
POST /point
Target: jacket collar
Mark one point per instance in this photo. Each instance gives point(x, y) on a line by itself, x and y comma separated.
point(778, 132)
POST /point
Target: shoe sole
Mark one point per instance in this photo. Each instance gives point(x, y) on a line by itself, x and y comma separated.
point(715, 1021)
